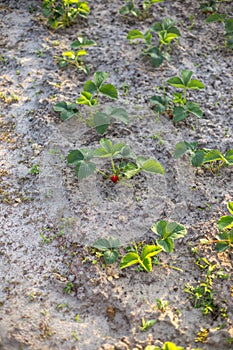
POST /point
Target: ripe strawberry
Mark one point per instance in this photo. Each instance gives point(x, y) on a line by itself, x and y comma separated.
point(114, 178)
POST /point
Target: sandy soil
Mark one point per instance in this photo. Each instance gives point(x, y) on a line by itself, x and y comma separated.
point(50, 220)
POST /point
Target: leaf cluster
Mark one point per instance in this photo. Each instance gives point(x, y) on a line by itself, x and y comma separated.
point(63, 13)
point(228, 26)
point(82, 159)
point(167, 232)
point(90, 97)
point(178, 105)
point(202, 294)
point(73, 57)
point(212, 159)
point(109, 247)
point(137, 11)
point(225, 226)
point(165, 32)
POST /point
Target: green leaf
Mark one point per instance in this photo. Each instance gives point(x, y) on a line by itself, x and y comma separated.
point(230, 207)
point(101, 122)
point(171, 346)
point(109, 90)
point(150, 250)
point(152, 166)
point(135, 34)
point(197, 158)
point(147, 264)
point(186, 76)
point(195, 84)
point(90, 87)
point(108, 149)
point(225, 222)
point(156, 56)
point(176, 82)
point(69, 54)
point(99, 78)
point(102, 244)
point(86, 99)
point(125, 10)
point(180, 149)
point(129, 259)
point(171, 230)
point(75, 156)
point(166, 38)
point(167, 23)
point(160, 102)
point(82, 42)
point(179, 113)
point(228, 24)
point(85, 169)
point(110, 256)
point(215, 17)
point(156, 27)
point(117, 148)
point(166, 244)
point(66, 109)
point(194, 108)
point(221, 247)
point(120, 114)
point(114, 243)
point(229, 156)
point(131, 170)
point(213, 156)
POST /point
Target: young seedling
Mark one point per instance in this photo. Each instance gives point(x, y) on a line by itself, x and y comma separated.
point(109, 247)
point(63, 13)
point(73, 57)
point(168, 232)
point(137, 11)
point(144, 260)
point(90, 95)
point(146, 324)
point(166, 32)
point(161, 305)
point(82, 159)
point(179, 107)
point(212, 159)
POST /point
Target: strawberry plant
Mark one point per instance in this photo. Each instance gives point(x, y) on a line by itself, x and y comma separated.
point(225, 227)
point(166, 32)
point(209, 6)
point(178, 106)
point(63, 13)
point(144, 260)
point(167, 233)
point(75, 57)
point(140, 11)
point(228, 26)
point(109, 247)
point(211, 159)
point(124, 163)
point(90, 97)
point(202, 295)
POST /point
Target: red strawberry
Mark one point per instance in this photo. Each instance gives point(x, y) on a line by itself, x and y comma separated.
point(114, 178)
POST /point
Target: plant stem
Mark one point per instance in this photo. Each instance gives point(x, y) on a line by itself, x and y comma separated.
point(102, 173)
point(113, 165)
